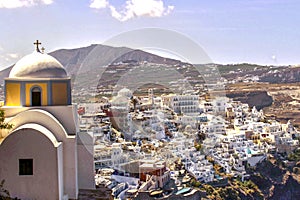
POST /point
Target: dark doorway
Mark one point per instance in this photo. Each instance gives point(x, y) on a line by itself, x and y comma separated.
point(36, 96)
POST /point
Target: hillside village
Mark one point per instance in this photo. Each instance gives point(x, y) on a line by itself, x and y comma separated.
point(176, 139)
point(194, 143)
point(149, 100)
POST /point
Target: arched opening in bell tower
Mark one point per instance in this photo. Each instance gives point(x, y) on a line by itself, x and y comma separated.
point(36, 98)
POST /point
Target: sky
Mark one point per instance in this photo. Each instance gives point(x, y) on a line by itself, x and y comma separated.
point(230, 31)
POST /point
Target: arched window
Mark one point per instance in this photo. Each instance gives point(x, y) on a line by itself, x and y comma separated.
point(36, 98)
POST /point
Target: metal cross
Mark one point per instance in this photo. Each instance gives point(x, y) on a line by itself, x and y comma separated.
point(37, 43)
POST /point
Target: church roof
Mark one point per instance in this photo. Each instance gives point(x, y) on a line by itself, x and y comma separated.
point(38, 65)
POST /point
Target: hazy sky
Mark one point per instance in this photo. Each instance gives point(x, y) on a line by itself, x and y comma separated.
point(230, 31)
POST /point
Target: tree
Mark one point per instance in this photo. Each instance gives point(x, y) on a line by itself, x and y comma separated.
point(4, 125)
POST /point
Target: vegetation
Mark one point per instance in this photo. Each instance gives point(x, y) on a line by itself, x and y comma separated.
point(221, 193)
point(4, 194)
point(295, 156)
point(4, 125)
point(195, 183)
point(228, 193)
point(198, 146)
point(247, 186)
point(234, 191)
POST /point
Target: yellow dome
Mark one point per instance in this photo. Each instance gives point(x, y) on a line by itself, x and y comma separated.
point(38, 65)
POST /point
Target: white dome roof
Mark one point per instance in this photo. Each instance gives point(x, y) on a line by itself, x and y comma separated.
point(38, 65)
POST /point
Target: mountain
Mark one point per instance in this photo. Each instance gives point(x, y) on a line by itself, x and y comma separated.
point(4, 73)
point(94, 56)
point(97, 56)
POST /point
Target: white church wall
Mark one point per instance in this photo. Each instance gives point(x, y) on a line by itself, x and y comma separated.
point(29, 144)
point(66, 115)
point(85, 153)
point(46, 119)
point(41, 117)
point(70, 168)
point(60, 171)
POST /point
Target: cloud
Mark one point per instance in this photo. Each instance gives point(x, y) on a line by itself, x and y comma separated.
point(9, 57)
point(13, 55)
point(23, 3)
point(135, 8)
point(98, 4)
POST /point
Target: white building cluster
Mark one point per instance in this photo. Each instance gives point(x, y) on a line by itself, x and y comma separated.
point(130, 130)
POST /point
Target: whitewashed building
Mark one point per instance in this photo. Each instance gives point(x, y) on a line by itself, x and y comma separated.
point(44, 156)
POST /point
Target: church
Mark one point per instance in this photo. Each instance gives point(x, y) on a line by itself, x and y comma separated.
point(44, 155)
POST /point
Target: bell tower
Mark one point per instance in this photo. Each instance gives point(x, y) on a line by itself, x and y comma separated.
point(38, 79)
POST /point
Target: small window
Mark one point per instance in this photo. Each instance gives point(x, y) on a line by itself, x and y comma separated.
point(25, 166)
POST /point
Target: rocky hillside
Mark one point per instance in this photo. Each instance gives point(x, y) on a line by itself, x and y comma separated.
point(259, 99)
point(276, 181)
point(282, 75)
point(269, 74)
point(270, 180)
point(279, 101)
